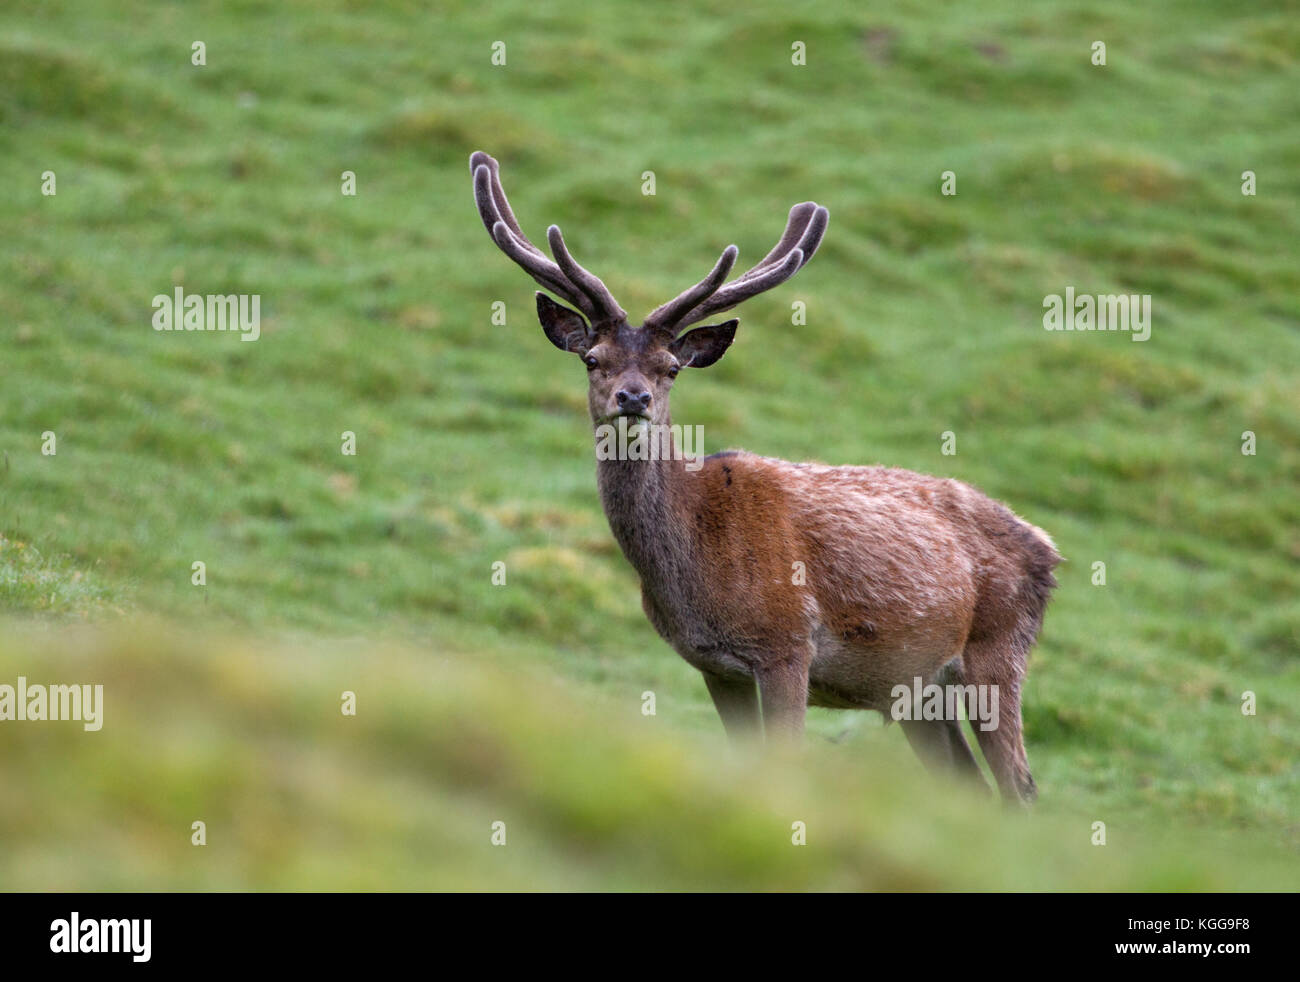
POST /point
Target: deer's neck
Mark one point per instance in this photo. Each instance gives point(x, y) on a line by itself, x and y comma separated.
point(647, 503)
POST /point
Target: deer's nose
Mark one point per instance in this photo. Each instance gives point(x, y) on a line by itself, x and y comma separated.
point(632, 401)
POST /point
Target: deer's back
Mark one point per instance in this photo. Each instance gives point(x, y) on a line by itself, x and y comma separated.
point(885, 572)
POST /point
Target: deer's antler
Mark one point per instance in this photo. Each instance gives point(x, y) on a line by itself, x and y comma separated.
point(803, 234)
point(563, 276)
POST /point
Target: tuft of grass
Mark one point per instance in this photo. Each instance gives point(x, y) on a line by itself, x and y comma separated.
point(53, 586)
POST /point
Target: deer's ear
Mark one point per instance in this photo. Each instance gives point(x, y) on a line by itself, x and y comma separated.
point(703, 346)
point(567, 329)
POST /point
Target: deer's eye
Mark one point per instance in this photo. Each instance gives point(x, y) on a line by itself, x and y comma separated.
point(590, 361)
point(672, 372)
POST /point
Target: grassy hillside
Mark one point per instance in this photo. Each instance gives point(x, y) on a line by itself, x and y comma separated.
point(923, 316)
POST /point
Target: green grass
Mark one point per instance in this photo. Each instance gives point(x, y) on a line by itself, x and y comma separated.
point(924, 315)
point(52, 586)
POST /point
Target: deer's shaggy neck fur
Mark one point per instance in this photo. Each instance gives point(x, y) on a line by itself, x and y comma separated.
point(645, 502)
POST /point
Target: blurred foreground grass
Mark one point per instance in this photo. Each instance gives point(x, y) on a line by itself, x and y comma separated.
point(251, 740)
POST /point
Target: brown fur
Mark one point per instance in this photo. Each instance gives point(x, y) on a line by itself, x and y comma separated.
point(906, 575)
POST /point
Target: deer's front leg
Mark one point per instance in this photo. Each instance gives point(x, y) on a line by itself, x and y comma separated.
point(736, 701)
point(783, 687)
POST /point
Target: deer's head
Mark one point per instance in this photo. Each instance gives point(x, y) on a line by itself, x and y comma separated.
point(631, 369)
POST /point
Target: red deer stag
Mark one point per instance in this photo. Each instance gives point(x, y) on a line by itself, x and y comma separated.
point(904, 576)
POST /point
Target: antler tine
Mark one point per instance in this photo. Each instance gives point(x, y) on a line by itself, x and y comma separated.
point(589, 283)
point(566, 278)
point(813, 234)
point(803, 234)
point(665, 316)
point(804, 229)
point(541, 269)
point(744, 288)
point(494, 196)
point(795, 225)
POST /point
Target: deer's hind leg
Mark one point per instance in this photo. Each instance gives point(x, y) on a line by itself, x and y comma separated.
point(940, 743)
point(943, 748)
point(1001, 662)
